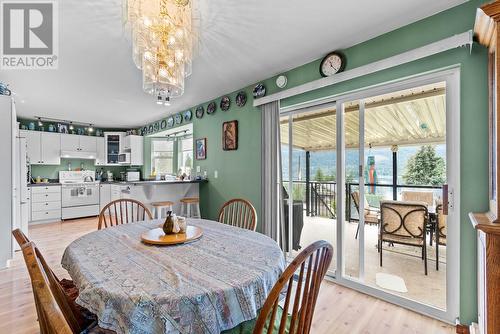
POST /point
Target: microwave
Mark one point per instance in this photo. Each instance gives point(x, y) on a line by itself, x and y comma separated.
point(124, 158)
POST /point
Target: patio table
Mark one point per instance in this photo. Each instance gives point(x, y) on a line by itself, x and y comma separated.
point(206, 286)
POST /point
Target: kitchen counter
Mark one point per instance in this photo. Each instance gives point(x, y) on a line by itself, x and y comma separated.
point(44, 184)
point(145, 182)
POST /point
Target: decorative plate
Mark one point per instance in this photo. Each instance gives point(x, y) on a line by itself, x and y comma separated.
point(199, 112)
point(281, 81)
point(163, 124)
point(170, 122)
point(241, 99)
point(144, 130)
point(225, 103)
point(156, 126)
point(178, 119)
point(188, 114)
point(150, 128)
point(211, 108)
point(259, 91)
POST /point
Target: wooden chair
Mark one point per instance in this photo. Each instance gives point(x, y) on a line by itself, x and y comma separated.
point(123, 211)
point(312, 263)
point(441, 231)
point(404, 223)
point(371, 213)
point(55, 312)
point(240, 213)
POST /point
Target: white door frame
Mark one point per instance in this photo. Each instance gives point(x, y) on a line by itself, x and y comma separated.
point(452, 78)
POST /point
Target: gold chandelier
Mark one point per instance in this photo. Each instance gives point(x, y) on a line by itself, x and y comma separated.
point(162, 44)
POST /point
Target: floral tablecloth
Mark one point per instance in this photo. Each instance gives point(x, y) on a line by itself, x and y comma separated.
point(206, 286)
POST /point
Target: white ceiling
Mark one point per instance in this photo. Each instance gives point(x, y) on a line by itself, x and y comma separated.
point(242, 42)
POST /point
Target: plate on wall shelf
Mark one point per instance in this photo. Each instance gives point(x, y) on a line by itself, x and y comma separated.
point(178, 119)
point(144, 130)
point(259, 91)
point(211, 108)
point(170, 122)
point(163, 124)
point(199, 112)
point(225, 103)
point(150, 129)
point(156, 126)
point(188, 114)
point(241, 99)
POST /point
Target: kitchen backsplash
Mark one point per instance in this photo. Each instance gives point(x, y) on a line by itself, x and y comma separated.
point(52, 172)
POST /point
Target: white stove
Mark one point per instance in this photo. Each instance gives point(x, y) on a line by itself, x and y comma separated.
point(79, 194)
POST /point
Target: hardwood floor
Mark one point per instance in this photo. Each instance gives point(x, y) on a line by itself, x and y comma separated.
point(339, 310)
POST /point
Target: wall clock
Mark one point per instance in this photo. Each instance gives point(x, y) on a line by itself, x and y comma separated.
point(241, 99)
point(281, 81)
point(188, 114)
point(225, 103)
point(259, 91)
point(334, 62)
point(199, 112)
point(178, 119)
point(211, 108)
point(170, 122)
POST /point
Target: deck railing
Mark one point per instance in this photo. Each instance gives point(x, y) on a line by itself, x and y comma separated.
point(320, 197)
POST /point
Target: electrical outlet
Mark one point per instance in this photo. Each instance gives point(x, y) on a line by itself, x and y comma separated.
point(198, 169)
point(216, 174)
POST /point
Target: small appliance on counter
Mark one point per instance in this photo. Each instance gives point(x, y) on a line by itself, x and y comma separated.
point(132, 175)
point(109, 176)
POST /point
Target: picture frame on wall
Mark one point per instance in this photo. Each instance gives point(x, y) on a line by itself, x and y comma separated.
point(201, 148)
point(230, 135)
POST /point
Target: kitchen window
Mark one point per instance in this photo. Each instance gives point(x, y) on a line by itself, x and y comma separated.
point(162, 156)
point(185, 156)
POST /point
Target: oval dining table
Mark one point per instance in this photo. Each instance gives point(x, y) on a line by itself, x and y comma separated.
point(207, 286)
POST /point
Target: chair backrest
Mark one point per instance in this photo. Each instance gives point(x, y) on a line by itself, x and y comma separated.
point(54, 314)
point(404, 219)
point(441, 221)
point(312, 264)
point(20, 237)
point(418, 196)
point(123, 211)
point(239, 212)
point(355, 198)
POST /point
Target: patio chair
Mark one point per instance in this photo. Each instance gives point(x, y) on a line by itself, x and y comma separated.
point(440, 235)
point(422, 196)
point(371, 213)
point(404, 223)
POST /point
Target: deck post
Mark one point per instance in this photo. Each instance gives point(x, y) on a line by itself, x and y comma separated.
point(394, 149)
point(308, 179)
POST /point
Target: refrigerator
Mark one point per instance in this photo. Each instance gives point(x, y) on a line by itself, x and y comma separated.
point(21, 193)
point(8, 190)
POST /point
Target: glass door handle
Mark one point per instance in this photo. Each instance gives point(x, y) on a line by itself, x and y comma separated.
point(445, 199)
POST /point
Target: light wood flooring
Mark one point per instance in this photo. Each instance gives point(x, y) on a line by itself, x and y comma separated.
point(339, 309)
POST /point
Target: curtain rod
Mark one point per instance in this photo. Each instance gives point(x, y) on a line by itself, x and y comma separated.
point(459, 40)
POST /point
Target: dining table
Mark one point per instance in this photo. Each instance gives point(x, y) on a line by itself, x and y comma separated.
point(209, 285)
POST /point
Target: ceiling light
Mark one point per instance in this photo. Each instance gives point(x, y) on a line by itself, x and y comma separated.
point(40, 121)
point(71, 127)
point(90, 129)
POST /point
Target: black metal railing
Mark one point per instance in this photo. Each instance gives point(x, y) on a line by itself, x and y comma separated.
point(319, 197)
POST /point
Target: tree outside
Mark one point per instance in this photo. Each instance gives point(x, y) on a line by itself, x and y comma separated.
point(425, 167)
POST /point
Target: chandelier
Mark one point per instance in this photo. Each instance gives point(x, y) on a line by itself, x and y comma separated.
point(162, 44)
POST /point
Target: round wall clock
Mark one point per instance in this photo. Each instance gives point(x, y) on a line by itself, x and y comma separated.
point(281, 81)
point(188, 114)
point(170, 122)
point(199, 112)
point(334, 62)
point(163, 124)
point(211, 108)
point(225, 103)
point(259, 91)
point(241, 99)
point(178, 119)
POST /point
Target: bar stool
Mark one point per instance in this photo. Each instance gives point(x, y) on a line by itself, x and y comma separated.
point(187, 206)
point(159, 206)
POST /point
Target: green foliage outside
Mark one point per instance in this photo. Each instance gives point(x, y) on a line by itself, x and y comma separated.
point(425, 167)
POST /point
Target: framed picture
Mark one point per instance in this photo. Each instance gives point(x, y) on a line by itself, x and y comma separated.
point(62, 128)
point(230, 136)
point(201, 148)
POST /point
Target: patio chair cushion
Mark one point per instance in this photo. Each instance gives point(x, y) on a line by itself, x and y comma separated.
point(372, 218)
point(403, 239)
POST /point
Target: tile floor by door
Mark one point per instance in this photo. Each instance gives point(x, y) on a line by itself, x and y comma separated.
point(339, 310)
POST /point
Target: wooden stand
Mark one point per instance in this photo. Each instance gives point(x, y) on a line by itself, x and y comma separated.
point(487, 224)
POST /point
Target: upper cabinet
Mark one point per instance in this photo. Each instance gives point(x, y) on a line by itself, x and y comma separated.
point(100, 159)
point(43, 148)
point(134, 145)
point(113, 146)
point(77, 143)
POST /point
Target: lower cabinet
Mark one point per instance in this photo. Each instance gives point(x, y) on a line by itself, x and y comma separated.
point(104, 195)
point(45, 203)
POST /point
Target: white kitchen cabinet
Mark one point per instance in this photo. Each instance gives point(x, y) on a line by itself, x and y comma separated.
point(104, 195)
point(50, 148)
point(100, 159)
point(45, 203)
point(134, 145)
point(113, 145)
point(43, 148)
point(116, 192)
point(88, 143)
point(75, 143)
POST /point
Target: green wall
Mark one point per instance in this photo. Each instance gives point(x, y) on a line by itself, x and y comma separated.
point(239, 171)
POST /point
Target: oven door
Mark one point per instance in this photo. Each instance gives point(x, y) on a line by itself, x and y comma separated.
point(79, 195)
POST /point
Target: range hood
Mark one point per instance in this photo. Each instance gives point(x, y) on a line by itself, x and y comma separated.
point(79, 155)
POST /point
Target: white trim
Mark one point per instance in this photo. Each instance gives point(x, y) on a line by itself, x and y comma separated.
point(361, 179)
point(452, 79)
point(445, 44)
